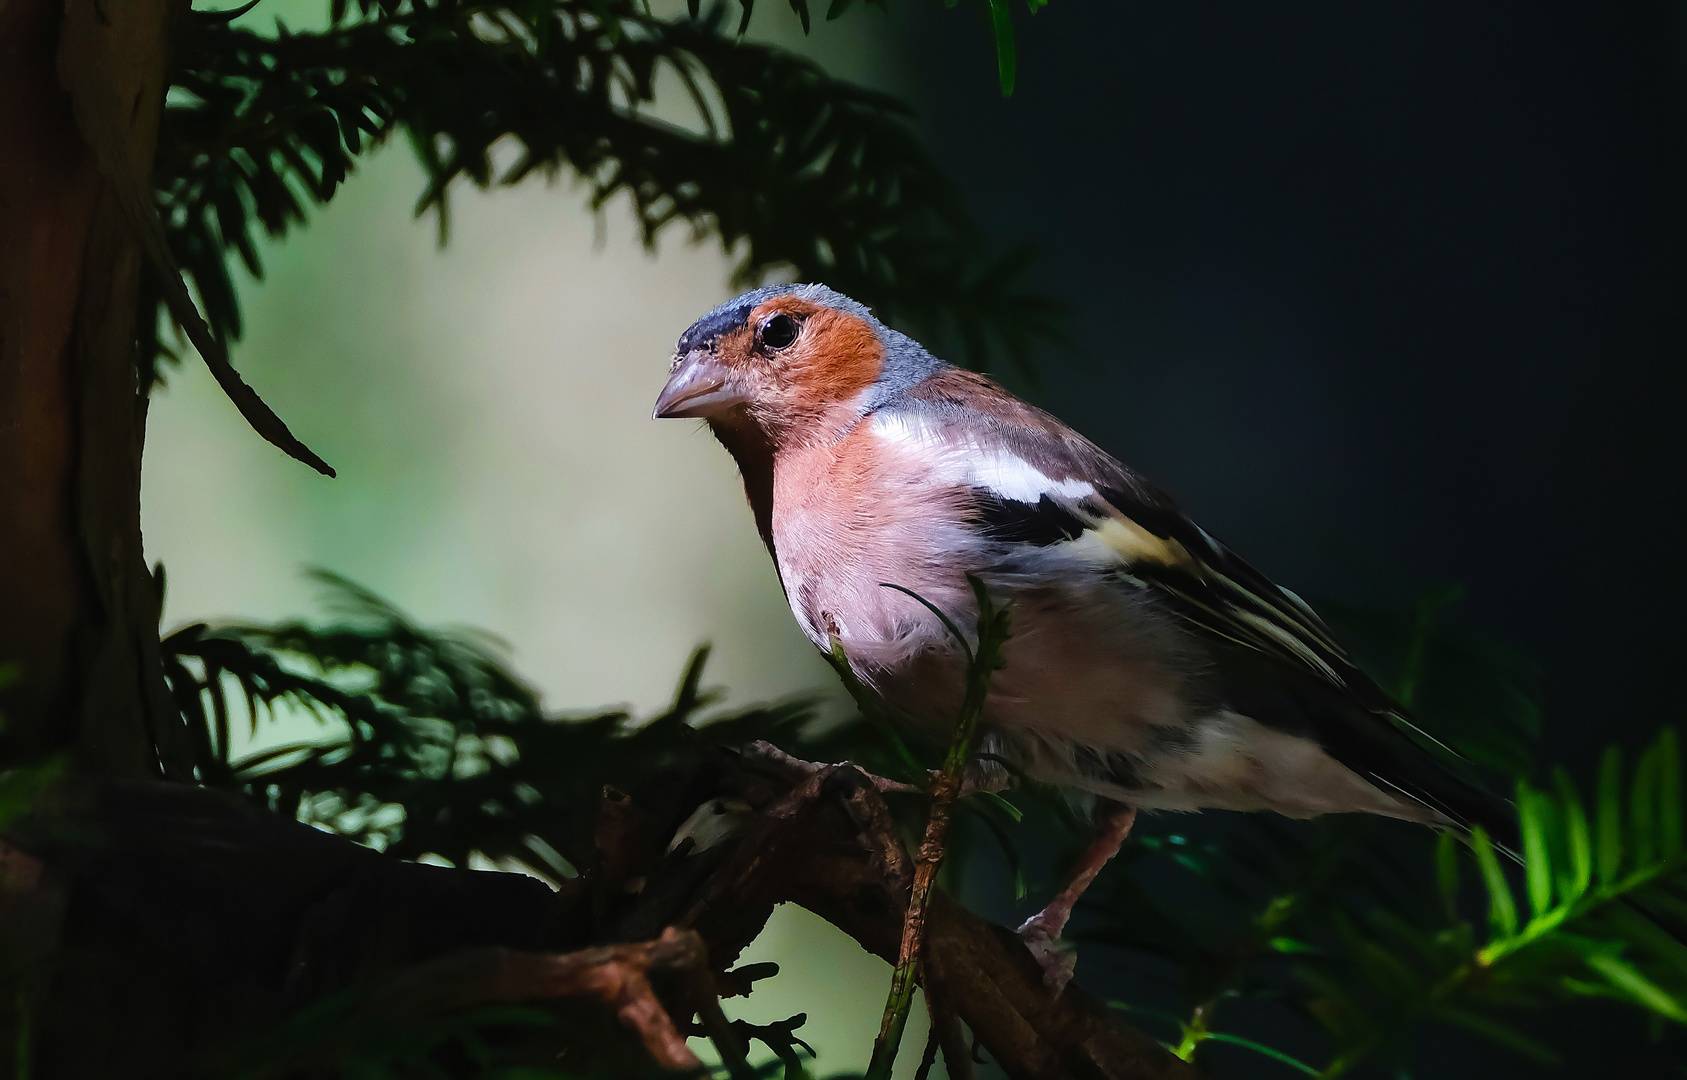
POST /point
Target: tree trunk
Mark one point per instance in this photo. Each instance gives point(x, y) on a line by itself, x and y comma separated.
point(78, 609)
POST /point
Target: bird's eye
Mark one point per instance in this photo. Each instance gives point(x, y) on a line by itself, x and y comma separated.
point(779, 331)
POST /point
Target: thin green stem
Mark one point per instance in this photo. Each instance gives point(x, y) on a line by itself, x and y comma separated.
point(983, 662)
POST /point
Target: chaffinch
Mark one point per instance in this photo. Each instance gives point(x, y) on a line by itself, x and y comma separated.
point(1149, 664)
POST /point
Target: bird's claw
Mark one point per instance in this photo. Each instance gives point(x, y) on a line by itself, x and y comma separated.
point(1057, 958)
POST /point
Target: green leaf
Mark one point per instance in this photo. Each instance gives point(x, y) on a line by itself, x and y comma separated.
point(948, 623)
point(1006, 59)
point(1533, 819)
point(21, 787)
point(1644, 932)
point(1610, 816)
point(1010, 850)
point(1001, 805)
point(1504, 1034)
point(801, 8)
point(1670, 809)
point(1576, 870)
point(1659, 900)
point(1502, 907)
point(1447, 870)
point(1642, 807)
point(1260, 1048)
point(1628, 979)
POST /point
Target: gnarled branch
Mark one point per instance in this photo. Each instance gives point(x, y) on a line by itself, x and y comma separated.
point(617, 975)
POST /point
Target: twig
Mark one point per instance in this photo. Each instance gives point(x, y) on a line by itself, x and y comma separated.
point(827, 843)
point(732, 1051)
point(957, 1055)
point(761, 748)
point(929, 1058)
point(982, 663)
point(617, 975)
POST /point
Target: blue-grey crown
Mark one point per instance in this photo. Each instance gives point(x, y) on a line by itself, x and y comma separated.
point(734, 313)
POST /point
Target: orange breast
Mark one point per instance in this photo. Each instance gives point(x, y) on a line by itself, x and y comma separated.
point(853, 516)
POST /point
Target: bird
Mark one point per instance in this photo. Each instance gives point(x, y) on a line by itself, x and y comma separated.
point(1150, 667)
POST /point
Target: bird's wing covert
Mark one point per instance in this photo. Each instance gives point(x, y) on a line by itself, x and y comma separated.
point(1039, 483)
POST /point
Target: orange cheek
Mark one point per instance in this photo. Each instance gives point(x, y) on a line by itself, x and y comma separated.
point(839, 356)
point(836, 357)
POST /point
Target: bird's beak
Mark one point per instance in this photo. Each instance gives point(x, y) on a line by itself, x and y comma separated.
point(700, 386)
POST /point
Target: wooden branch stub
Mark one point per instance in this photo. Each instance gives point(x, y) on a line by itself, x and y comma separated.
point(617, 975)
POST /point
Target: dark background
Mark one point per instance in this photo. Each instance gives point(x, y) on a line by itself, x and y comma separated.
point(1388, 294)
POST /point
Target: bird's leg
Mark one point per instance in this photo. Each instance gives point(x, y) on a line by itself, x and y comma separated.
point(1042, 930)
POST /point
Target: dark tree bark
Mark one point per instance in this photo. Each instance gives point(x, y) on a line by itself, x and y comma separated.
point(78, 611)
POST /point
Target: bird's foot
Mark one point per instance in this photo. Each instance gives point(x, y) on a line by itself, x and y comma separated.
point(1054, 955)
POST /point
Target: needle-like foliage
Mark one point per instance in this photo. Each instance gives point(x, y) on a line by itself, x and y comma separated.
point(792, 170)
point(430, 745)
